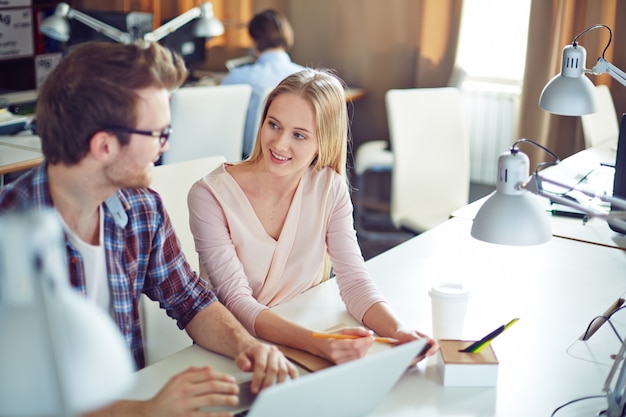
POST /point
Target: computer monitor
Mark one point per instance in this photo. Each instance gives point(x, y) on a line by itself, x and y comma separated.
point(184, 42)
point(619, 182)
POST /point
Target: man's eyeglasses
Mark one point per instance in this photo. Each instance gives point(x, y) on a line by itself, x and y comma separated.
point(163, 135)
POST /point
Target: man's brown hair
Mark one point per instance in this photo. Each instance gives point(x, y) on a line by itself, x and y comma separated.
point(93, 88)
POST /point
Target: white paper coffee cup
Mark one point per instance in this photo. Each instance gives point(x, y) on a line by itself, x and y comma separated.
point(449, 304)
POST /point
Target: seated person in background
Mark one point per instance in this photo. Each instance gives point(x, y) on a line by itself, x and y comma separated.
point(263, 227)
point(103, 117)
point(272, 36)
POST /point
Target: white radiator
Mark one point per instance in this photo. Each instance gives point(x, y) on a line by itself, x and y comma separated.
point(491, 111)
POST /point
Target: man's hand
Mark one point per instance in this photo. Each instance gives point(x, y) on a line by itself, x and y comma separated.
point(268, 365)
point(216, 329)
point(193, 389)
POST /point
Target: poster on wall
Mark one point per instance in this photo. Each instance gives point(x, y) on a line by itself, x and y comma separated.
point(44, 64)
point(14, 3)
point(16, 33)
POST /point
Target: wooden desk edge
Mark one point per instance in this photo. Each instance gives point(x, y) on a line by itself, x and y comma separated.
point(20, 166)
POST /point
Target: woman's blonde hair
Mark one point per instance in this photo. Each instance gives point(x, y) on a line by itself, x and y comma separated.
point(325, 92)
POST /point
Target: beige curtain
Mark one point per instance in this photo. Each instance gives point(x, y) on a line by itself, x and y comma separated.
point(553, 25)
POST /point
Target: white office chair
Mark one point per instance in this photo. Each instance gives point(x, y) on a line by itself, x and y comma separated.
point(375, 157)
point(430, 176)
point(430, 159)
point(601, 128)
point(162, 336)
point(208, 120)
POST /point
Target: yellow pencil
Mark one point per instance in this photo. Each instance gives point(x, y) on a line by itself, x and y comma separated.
point(350, 336)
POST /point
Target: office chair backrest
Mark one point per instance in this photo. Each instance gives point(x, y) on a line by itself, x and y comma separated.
point(173, 182)
point(161, 335)
point(602, 127)
point(206, 121)
point(430, 176)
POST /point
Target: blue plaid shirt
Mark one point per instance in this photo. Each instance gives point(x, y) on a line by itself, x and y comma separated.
point(143, 255)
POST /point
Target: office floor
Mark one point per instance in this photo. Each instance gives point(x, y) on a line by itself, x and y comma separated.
point(374, 244)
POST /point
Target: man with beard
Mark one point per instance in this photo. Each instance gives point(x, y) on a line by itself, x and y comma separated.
point(103, 116)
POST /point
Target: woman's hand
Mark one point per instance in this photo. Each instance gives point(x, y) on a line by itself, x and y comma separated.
point(344, 350)
point(408, 335)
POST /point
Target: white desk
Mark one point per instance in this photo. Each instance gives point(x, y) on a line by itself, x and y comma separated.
point(24, 140)
point(14, 159)
point(555, 289)
point(19, 96)
point(17, 153)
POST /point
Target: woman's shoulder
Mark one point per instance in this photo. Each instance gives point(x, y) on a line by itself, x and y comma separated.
point(326, 179)
point(223, 180)
point(325, 174)
point(215, 175)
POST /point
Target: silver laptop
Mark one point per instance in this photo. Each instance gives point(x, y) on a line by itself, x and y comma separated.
point(347, 390)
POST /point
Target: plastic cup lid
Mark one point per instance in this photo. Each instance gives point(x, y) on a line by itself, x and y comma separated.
point(449, 290)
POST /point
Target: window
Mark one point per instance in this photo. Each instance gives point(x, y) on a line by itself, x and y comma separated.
point(493, 37)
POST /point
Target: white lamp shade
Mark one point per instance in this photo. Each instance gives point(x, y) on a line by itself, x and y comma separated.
point(570, 93)
point(208, 28)
point(511, 215)
point(56, 27)
point(207, 25)
point(517, 220)
point(60, 354)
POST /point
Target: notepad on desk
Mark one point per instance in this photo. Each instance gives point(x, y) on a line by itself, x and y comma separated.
point(313, 363)
point(308, 361)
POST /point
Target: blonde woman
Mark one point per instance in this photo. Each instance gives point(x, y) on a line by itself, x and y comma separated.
point(263, 227)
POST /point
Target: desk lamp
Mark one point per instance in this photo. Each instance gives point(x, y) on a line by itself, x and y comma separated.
point(571, 94)
point(508, 218)
point(206, 26)
point(513, 214)
point(60, 355)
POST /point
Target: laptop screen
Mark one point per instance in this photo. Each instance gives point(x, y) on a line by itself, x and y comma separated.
point(350, 389)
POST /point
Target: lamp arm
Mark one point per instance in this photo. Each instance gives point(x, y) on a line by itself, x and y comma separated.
point(534, 186)
point(605, 67)
point(98, 26)
point(173, 25)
